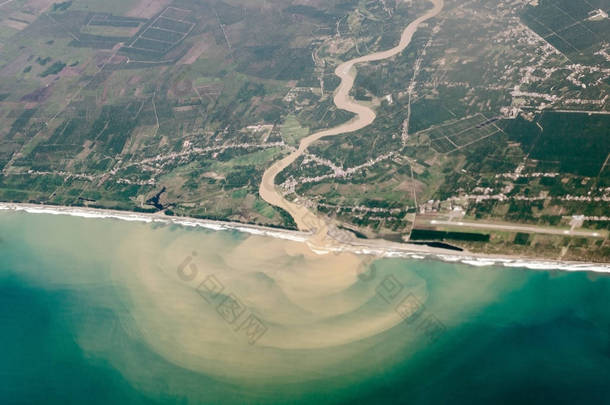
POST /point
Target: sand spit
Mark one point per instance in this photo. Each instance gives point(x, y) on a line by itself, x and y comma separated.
point(84, 212)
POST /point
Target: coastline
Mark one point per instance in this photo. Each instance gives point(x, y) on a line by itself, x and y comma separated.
point(369, 247)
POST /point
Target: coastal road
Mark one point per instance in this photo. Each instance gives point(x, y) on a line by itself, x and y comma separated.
point(516, 228)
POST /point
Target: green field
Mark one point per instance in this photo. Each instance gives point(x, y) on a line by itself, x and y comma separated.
point(180, 105)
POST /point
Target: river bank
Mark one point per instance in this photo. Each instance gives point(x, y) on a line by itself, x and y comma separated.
point(364, 116)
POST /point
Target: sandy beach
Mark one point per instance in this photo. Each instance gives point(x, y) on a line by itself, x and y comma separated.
point(318, 236)
point(378, 248)
point(226, 317)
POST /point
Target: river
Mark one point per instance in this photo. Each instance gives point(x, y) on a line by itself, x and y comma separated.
point(365, 115)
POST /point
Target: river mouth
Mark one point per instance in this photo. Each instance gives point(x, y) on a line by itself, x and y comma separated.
point(114, 308)
point(305, 219)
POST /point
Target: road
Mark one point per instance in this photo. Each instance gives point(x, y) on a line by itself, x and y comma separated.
point(517, 228)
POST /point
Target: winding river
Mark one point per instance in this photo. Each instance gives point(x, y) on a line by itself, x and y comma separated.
point(304, 218)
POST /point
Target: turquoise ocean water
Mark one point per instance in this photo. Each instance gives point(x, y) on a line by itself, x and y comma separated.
point(107, 311)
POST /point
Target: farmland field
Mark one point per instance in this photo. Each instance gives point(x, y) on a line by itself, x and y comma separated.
point(571, 25)
point(493, 111)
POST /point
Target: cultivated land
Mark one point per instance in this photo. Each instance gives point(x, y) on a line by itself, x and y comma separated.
point(364, 116)
point(487, 130)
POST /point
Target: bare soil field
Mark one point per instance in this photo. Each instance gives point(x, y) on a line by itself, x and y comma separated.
point(148, 8)
point(200, 46)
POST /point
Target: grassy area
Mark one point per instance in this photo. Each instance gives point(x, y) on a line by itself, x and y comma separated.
point(103, 108)
point(292, 131)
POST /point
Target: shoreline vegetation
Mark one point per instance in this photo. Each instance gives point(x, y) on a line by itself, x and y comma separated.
point(323, 235)
point(370, 247)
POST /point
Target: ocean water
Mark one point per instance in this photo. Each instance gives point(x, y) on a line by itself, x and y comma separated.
point(109, 311)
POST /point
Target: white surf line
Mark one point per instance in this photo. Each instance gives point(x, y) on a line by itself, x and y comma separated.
point(100, 213)
point(380, 249)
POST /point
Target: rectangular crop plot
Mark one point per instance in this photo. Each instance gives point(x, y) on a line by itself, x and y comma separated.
point(111, 23)
point(173, 25)
point(456, 127)
point(443, 145)
point(560, 44)
point(536, 25)
point(601, 28)
point(469, 136)
point(151, 45)
point(567, 25)
point(579, 36)
point(549, 16)
point(97, 41)
point(162, 35)
point(456, 135)
point(115, 21)
point(576, 9)
point(558, 20)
